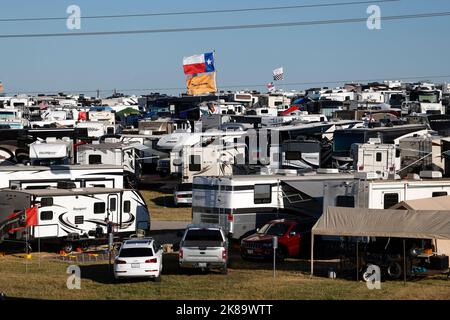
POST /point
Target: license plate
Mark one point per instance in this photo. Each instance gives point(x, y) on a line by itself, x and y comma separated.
point(135, 265)
point(202, 265)
point(250, 251)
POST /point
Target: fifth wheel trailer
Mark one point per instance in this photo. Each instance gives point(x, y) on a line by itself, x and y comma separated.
point(28, 177)
point(72, 215)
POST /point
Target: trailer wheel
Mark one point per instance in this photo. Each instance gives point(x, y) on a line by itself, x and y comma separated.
point(68, 247)
point(394, 270)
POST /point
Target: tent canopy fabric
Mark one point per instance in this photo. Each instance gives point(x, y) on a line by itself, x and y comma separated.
point(419, 224)
point(436, 203)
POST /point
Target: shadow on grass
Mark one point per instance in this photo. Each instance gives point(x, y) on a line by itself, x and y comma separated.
point(165, 201)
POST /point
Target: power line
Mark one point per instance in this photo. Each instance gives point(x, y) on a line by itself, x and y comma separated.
point(239, 85)
point(116, 16)
point(231, 27)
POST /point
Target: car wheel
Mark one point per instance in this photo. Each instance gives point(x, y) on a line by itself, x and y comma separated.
point(157, 279)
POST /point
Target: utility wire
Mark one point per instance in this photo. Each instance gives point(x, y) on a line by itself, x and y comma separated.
point(230, 27)
point(149, 14)
point(246, 86)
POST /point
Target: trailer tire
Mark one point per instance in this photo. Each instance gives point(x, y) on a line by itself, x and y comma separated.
point(224, 270)
point(281, 253)
point(394, 270)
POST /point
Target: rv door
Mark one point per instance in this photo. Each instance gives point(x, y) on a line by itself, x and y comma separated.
point(113, 210)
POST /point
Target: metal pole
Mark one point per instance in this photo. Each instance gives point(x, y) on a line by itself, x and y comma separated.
point(312, 254)
point(357, 259)
point(404, 263)
point(274, 257)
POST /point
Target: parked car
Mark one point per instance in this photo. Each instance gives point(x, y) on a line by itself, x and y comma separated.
point(290, 235)
point(139, 258)
point(205, 247)
point(183, 194)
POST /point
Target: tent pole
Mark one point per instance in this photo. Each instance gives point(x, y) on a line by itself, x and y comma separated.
point(404, 262)
point(312, 254)
point(357, 259)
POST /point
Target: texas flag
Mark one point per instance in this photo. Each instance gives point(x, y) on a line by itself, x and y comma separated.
point(199, 63)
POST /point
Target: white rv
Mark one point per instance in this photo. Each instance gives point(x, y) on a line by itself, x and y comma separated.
point(240, 204)
point(76, 215)
point(119, 154)
point(96, 129)
point(52, 151)
point(33, 177)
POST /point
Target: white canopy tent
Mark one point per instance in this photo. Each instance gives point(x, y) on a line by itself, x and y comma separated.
point(361, 222)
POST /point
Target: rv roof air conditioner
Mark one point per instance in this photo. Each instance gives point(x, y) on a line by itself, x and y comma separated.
point(428, 174)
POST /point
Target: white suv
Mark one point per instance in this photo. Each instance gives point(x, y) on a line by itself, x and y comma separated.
point(139, 258)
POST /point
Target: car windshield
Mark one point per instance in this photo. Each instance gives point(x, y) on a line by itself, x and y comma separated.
point(274, 229)
point(203, 235)
point(135, 252)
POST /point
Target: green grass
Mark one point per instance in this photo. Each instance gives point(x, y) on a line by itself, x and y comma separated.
point(246, 280)
point(162, 207)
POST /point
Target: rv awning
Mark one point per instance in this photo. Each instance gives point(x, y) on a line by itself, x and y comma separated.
point(420, 224)
point(436, 203)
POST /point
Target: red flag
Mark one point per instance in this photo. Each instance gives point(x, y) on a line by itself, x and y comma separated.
point(13, 215)
point(31, 216)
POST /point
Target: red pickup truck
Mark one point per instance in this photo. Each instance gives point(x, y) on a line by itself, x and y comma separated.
point(290, 234)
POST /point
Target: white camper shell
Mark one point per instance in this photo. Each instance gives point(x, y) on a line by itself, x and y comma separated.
point(52, 151)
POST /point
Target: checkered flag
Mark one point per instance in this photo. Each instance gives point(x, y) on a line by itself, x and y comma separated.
point(277, 74)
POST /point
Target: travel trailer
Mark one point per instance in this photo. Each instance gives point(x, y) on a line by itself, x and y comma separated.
point(96, 129)
point(118, 154)
point(33, 177)
point(70, 216)
point(13, 118)
point(242, 203)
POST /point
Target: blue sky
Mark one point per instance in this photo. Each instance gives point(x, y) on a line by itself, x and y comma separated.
point(308, 54)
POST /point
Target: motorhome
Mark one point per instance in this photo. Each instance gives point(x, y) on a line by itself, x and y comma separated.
point(71, 216)
point(51, 151)
point(429, 99)
point(28, 177)
point(161, 126)
point(242, 203)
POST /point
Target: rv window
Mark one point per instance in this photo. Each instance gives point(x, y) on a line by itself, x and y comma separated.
point(112, 204)
point(95, 159)
point(390, 199)
point(397, 153)
point(110, 130)
point(46, 215)
point(439, 194)
point(264, 111)
point(99, 207)
point(292, 155)
point(378, 159)
point(195, 163)
point(263, 193)
point(46, 202)
point(127, 206)
point(345, 201)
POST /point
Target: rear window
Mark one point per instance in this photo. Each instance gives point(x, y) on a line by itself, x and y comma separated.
point(136, 252)
point(203, 235)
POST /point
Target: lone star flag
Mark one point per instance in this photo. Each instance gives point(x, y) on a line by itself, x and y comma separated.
point(205, 83)
point(278, 74)
point(199, 63)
